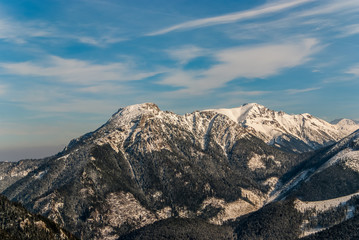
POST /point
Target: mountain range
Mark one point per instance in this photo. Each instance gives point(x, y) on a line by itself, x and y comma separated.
point(148, 172)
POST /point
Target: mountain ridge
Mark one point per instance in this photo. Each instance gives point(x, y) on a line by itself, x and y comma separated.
point(299, 132)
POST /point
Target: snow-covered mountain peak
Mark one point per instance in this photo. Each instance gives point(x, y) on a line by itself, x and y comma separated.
point(342, 121)
point(306, 115)
point(241, 113)
point(127, 114)
point(121, 123)
point(285, 130)
point(346, 125)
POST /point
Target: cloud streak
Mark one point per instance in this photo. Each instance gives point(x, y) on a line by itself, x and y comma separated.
point(186, 53)
point(250, 62)
point(232, 17)
point(354, 70)
point(19, 33)
point(76, 71)
point(304, 90)
point(351, 30)
point(336, 6)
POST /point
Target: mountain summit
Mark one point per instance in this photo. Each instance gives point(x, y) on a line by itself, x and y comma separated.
point(346, 125)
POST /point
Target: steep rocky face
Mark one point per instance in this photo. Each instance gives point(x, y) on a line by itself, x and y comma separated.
point(298, 133)
point(145, 165)
point(18, 223)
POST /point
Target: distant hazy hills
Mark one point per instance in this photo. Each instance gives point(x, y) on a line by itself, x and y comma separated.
point(231, 167)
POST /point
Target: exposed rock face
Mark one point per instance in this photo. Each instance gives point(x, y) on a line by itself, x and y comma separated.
point(299, 133)
point(145, 165)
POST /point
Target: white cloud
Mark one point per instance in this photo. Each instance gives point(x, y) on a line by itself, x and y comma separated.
point(332, 6)
point(186, 53)
point(249, 93)
point(12, 30)
point(76, 71)
point(108, 89)
point(351, 30)
point(97, 41)
point(18, 32)
point(262, 61)
point(244, 62)
point(233, 17)
point(76, 106)
point(354, 70)
point(304, 90)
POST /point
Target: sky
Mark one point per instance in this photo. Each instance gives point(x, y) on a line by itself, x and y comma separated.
point(67, 66)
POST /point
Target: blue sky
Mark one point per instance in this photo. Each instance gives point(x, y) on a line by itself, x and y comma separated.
point(66, 66)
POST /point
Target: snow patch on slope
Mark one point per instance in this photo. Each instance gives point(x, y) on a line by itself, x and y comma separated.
point(232, 210)
point(124, 208)
point(314, 208)
point(282, 189)
point(324, 205)
point(259, 161)
point(256, 162)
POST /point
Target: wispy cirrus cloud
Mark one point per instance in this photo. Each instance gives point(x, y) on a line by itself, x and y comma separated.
point(332, 6)
point(248, 93)
point(76, 71)
point(99, 41)
point(19, 32)
point(350, 30)
point(244, 62)
point(76, 106)
point(232, 17)
point(353, 70)
point(186, 53)
point(302, 90)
